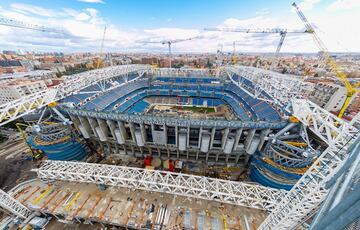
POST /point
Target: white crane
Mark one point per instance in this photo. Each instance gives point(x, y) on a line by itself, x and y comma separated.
point(19, 24)
point(280, 31)
point(169, 42)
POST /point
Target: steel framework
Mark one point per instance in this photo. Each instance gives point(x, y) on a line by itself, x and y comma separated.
point(237, 193)
point(12, 205)
point(302, 201)
point(25, 105)
point(282, 88)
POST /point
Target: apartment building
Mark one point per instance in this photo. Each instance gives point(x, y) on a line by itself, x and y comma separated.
point(329, 96)
point(14, 89)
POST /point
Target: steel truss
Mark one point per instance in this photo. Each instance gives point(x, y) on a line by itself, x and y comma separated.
point(287, 155)
point(184, 72)
point(12, 205)
point(236, 193)
point(25, 105)
point(302, 201)
point(281, 87)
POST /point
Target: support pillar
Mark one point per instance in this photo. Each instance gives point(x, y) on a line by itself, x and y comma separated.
point(249, 138)
point(264, 133)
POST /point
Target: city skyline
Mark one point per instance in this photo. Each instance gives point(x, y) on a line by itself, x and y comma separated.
point(128, 23)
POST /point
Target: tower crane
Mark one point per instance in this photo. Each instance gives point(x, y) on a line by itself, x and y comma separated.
point(19, 24)
point(99, 60)
point(280, 31)
point(352, 89)
point(234, 52)
point(170, 42)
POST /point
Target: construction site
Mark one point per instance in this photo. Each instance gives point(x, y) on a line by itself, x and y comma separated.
point(139, 147)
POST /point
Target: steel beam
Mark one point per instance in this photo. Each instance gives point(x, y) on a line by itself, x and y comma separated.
point(303, 200)
point(10, 204)
point(281, 87)
point(73, 83)
point(236, 193)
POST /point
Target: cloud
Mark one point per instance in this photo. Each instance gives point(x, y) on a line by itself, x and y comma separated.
point(308, 4)
point(344, 5)
point(92, 1)
point(84, 31)
point(263, 11)
point(31, 9)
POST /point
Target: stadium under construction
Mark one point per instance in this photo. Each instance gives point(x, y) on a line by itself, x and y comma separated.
point(142, 137)
point(138, 147)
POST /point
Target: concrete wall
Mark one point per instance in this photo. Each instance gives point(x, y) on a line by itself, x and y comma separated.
point(207, 144)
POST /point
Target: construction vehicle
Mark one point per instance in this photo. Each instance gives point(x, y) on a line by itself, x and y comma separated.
point(352, 89)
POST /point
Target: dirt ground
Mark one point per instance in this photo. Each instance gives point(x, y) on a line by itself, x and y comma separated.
point(15, 164)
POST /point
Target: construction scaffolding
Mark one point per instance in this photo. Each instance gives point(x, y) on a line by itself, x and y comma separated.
point(303, 200)
point(236, 193)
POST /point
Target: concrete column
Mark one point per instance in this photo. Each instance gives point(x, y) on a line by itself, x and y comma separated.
point(165, 134)
point(212, 137)
point(264, 133)
point(199, 138)
point(85, 125)
point(85, 130)
point(237, 158)
point(224, 138)
point(176, 136)
point(139, 138)
point(182, 141)
point(102, 130)
point(132, 131)
point(112, 127)
point(104, 127)
point(237, 138)
point(143, 132)
point(93, 124)
point(205, 142)
point(249, 138)
point(229, 144)
point(75, 120)
point(120, 133)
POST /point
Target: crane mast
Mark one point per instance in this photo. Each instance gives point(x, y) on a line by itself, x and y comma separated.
point(282, 32)
point(351, 89)
point(169, 43)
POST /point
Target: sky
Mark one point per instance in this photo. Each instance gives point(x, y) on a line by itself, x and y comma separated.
point(130, 23)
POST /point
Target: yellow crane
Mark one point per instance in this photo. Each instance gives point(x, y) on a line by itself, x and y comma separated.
point(351, 88)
